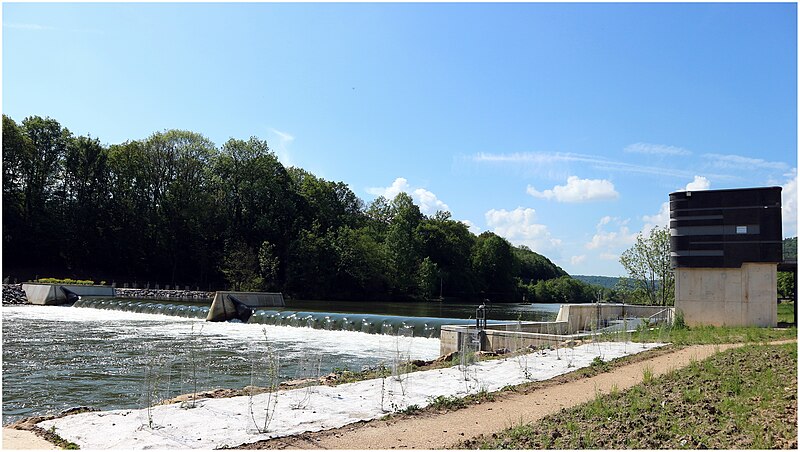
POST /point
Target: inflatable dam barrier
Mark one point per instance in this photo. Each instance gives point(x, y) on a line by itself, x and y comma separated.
point(241, 305)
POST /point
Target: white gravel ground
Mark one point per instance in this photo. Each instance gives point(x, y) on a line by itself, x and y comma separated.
point(228, 422)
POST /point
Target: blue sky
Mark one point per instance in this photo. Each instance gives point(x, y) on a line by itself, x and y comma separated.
point(560, 126)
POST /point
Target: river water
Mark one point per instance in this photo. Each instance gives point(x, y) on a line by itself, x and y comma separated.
point(105, 354)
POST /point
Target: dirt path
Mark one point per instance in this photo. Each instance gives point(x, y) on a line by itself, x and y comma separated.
point(448, 429)
point(23, 439)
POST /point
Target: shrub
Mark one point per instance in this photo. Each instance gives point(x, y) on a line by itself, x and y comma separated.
point(79, 282)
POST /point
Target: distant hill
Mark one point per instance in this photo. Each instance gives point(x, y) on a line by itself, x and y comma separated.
point(790, 248)
point(605, 281)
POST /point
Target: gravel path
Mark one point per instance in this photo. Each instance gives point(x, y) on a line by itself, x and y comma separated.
point(446, 430)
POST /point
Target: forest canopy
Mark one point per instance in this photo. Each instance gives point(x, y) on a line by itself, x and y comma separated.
point(174, 208)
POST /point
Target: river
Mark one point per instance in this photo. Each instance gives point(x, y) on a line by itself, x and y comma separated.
point(58, 357)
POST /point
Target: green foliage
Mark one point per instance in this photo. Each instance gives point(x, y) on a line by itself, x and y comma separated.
point(602, 281)
point(77, 282)
point(447, 402)
point(648, 265)
point(565, 290)
point(174, 208)
point(786, 312)
point(790, 248)
point(599, 364)
point(715, 334)
point(534, 267)
point(493, 264)
point(680, 321)
point(786, 287)
point(428, 278)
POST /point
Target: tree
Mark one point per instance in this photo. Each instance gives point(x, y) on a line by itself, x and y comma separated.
point(256, 197)
point(493, 264)
point(402, 243)
point(648, 265)
point(86, 178)
point(427, 278)
point(785, 284)
point(17, 151)
point(448, 244)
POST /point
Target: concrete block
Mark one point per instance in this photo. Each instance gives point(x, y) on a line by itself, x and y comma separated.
point(222, 303)
point(51, 294)
point(743, 296)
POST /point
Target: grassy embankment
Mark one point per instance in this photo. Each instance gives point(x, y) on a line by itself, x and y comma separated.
point(744, 398)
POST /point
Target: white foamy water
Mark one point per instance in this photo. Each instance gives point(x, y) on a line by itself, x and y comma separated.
point(58, 357)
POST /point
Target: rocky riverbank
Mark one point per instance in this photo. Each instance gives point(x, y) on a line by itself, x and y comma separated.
point(163, 293)
point(13, 294)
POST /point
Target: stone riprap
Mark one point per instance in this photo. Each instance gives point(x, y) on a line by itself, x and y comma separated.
point(13, 294)
point(163, 293)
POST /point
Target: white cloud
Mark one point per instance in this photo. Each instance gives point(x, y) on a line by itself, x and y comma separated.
point(659, 149)
point(622, 238)
point(519, 227)
point(731, 161)
point(577, 260)
point(699, 183)
point(427, 201)
point(609, 256)
point(789, 204)
point(284, 140)
point(578, 190)
point(399, 185)
point(472, 227)
point(660, 219)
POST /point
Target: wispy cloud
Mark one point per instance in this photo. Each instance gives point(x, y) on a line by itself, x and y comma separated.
point(578, 190)
point(658, 149)
point(39, 27)
point(33, 27)
point(542, 159)
point(732, 161)
point(284, 139)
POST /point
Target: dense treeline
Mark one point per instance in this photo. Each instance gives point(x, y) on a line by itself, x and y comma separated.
point(173, 208)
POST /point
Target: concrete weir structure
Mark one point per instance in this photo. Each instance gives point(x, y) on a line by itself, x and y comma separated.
point(52, 294)
point(238, 305)
point(574, 322)
point(725, 246)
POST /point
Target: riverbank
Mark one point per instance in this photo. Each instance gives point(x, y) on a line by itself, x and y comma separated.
point(213, 423)
point(14, 295)
point(528, 404)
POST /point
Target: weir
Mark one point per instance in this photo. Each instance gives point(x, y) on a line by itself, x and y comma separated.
point(239, 305)
point(52, 294)
point(429, 327)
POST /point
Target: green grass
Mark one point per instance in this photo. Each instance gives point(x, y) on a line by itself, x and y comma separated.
point(447, 402)
point(714, 335)
point(744, 398)
point(786, 313)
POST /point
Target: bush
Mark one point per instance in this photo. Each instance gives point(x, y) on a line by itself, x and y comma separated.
point(79, 282)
